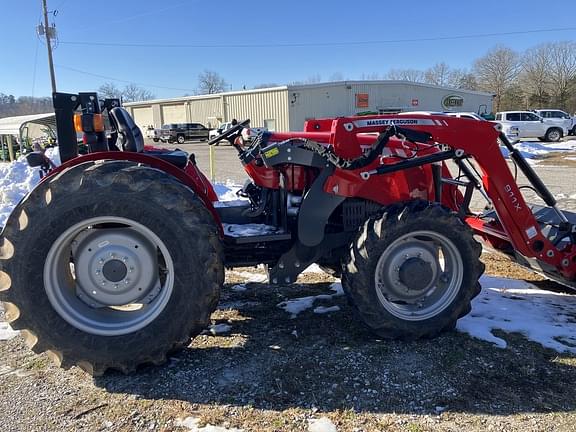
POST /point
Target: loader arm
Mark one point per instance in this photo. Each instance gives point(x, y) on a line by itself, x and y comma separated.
point(478, 140)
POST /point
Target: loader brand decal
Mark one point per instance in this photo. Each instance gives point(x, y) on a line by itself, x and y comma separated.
point(389, 122)
point(272, 152)
point(513, 197)
point(452, 101)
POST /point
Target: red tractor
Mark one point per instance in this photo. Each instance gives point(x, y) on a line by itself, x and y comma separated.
point(117, 257)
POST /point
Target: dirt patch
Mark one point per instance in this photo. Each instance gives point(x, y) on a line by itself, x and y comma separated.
point(270, 372)
point(567, 159)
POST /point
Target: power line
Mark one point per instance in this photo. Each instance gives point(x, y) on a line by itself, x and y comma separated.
point(119, 80)
point(319, 44)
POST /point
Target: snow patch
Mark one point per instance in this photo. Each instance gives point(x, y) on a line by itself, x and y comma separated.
point(515, 306)
point(323, 424)
point(6, 331)
point(191, 423)
point(249, 276)
point(313, 268)
point(16, 180)
point(226, 191)
point(325, 309)
point(531, 149)
point(217, 329)
point(248, 230)
point(239, 288)
point(298, 305)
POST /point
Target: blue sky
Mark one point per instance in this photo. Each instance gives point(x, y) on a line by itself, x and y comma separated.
point(212, 28)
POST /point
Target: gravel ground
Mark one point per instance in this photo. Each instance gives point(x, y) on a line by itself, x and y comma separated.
point(260, 370)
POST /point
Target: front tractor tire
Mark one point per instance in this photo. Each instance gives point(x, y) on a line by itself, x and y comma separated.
point(110, 265)
point(413, 271)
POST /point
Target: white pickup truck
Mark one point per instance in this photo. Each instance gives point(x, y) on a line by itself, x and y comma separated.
point(153, 134)
point(559, 117)
point(247, 133)
point(525, 124)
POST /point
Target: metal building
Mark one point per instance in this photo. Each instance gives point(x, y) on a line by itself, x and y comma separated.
point(287, 107)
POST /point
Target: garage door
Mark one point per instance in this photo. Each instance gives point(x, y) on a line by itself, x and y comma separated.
point(173, 114)
point(143, 117)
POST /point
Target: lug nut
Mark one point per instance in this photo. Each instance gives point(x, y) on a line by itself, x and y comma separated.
point(127, 281)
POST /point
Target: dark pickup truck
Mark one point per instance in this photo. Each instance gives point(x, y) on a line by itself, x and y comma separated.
point(180, 132)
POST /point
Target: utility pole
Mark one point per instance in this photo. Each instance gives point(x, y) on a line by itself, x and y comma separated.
point(48, 34)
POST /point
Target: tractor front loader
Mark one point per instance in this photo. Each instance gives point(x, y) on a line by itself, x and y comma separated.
point(117, 257)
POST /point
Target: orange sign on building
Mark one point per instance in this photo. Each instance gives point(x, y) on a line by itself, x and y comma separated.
point(362, 100)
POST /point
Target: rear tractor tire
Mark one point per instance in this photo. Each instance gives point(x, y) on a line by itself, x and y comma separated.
point(413, 271)
point(110, 265)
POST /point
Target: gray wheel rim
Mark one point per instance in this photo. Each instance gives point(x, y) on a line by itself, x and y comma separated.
point(554, 135)
point(446, 275)
point(111, 279)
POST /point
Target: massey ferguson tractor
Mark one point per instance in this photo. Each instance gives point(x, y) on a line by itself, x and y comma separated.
point(117, 257)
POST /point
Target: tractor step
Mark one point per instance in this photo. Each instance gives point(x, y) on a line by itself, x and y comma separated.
point(253, 233)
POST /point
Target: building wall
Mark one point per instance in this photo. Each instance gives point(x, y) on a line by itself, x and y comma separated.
point(143, 117)
point(316, 102)
point(340, 99)
point(267, 108)
point(287, 108)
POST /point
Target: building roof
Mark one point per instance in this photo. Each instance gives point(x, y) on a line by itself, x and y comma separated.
point(12, 125)
point(292, 87)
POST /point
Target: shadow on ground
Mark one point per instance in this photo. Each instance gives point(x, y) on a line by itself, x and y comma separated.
point(329, 361)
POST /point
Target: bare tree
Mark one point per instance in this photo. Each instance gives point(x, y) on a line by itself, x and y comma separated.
point(109, 90)
point(130, 93)
point(463, 79)
point(497, 71)
point(562, 71)
point(412, 75)
point(535, 75)
point(440, 74)
point(210, 82)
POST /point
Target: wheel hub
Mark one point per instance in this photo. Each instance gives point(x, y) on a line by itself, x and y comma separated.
point(114, 270)
point(416, 274)
point(114, 267)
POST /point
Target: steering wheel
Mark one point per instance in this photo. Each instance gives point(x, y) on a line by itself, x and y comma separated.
point(229, 132)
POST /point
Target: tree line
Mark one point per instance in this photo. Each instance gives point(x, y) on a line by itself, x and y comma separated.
point(23, 105)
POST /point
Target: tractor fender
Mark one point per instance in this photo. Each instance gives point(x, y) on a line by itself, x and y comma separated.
point(202, 190)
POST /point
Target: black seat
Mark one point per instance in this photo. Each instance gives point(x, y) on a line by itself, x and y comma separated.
point(129, 134)
point(131, 139)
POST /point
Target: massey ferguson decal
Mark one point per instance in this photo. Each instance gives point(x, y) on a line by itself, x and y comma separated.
point(388, 122)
